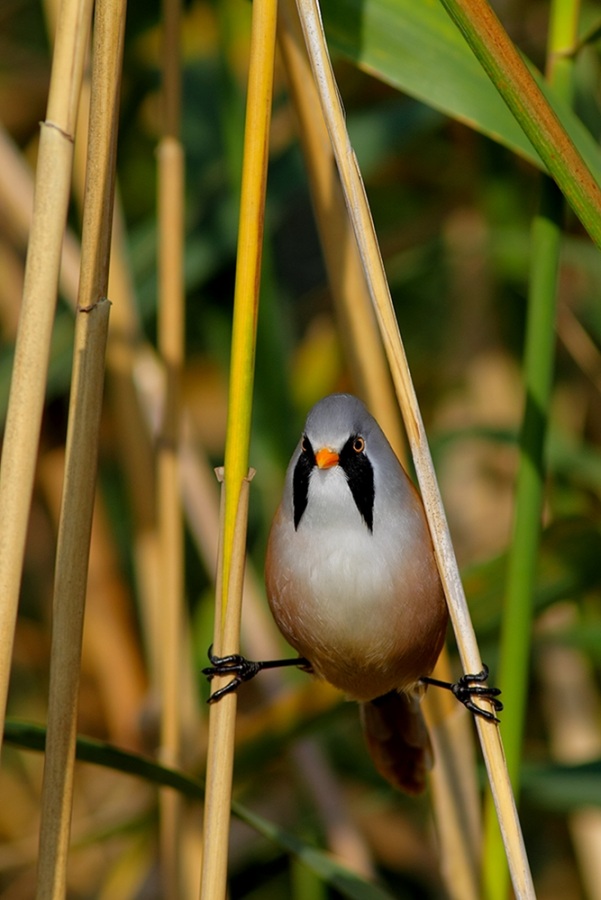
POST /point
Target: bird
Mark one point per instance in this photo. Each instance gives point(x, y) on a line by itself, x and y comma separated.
point(353, 585)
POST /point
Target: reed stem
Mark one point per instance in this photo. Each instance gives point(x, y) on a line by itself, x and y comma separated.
point(539, 360)
point(81, 455)
point(32, 350)
point(171, 348)
point(235, 487)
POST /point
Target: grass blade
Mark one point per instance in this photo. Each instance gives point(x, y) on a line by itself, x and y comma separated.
point(505, 67)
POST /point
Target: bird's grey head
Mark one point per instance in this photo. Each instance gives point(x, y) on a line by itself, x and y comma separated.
point(341, 424)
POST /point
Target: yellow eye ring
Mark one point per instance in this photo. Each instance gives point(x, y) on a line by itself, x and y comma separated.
point(359, 444)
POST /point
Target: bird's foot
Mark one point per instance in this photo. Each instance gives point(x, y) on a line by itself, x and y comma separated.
point(243, 669)
point(235, 664)
point(468, 687)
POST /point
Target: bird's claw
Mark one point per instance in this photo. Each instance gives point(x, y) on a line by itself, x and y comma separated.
point(470, 686)
point(235, 664)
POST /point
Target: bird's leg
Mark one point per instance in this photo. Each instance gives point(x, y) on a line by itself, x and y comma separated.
point(244, 669)
point(468, 687)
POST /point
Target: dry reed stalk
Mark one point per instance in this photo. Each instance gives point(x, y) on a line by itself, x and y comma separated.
point(118, 670)
point(137, 453)
point(455, 790)
point(345, 272)
point(134, 377)
point(223, 717)
point(366, 238)
point(453, 779)
point(32, 349)
point(126, 345)
point(16, 201)
point(69, 597)
point(82, 446)
point(171, 348)
point(51, 12)
point(235, 488)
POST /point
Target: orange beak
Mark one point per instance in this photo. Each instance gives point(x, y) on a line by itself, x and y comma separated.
point(326, 458)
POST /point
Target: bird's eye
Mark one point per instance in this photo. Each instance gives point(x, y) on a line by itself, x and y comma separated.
point(359, 444)
point(304, 444)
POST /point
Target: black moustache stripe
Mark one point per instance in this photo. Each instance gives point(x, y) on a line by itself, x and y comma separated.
point(300, 480)
point(359, 475)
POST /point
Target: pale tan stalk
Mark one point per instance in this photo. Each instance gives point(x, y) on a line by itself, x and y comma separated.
point(110, 649)
point(32, 349)
point(223, 720)
point(135, 442)
point(455, 790)
point(125, 346)
point(137, 454)
point(366, 238)
point(453, 777)
point(16, 202)
point(345, 272)
point(171, 348)
point(69, 597)
point(82, 443)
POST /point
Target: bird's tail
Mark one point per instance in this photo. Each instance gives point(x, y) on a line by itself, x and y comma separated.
point(398, 740)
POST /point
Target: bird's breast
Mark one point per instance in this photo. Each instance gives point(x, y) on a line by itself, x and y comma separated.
point(354, 603)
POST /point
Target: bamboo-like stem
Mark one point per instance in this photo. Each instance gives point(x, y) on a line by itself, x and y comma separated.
point(372, 261)
point(235, 488)
point(345, 273)
point(454, 786)
point(125, 337)
point(539, 359)
point(171, 348)
point(32, 349)
point(246, 297)
point(455, 790)
point(69, 597)
point(508, 72)
point(220, 758)
point(82, 443)
point(126, 345)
